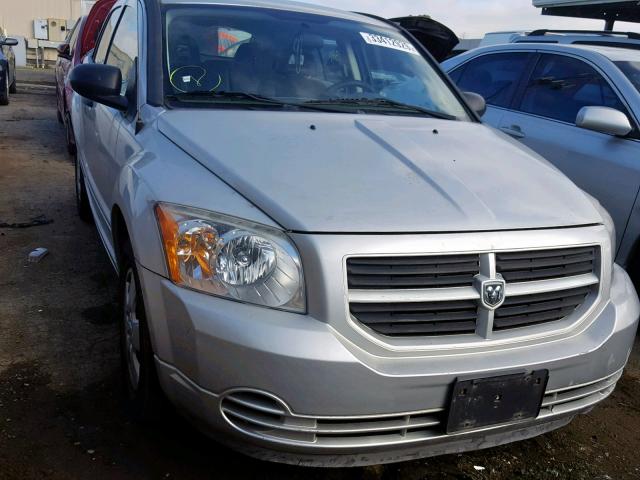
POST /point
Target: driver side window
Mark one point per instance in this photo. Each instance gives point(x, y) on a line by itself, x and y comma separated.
point(109, 27)
point(123, 52)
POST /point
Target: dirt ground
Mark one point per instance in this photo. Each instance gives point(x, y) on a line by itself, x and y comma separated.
point(61, 412)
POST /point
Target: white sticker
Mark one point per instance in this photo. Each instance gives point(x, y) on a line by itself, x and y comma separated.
point(186, 79)
point(388, 42)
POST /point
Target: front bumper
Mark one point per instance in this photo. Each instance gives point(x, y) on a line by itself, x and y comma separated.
point(300, 372)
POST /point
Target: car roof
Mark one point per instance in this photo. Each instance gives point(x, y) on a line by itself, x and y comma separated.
point(614, 54)
point(283, 5)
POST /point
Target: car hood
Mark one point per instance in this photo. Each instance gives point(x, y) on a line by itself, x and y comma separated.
point(348, 173)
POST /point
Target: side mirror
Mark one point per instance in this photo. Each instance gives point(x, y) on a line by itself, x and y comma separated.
point(604, 120)
point(100, 83)
point(64, 50)
point(476, 102)
point(10, 42)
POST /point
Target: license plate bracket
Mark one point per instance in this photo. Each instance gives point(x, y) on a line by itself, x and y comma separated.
point(485, 402)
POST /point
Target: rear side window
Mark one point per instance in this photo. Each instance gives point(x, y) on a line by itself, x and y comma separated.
point(494, 76)
point(560, 86)
point(123, 52)
point(105, 39)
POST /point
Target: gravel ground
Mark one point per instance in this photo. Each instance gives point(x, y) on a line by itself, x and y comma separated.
point(61, 414)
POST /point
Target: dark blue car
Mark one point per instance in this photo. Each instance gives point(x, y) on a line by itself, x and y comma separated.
point(7, 68)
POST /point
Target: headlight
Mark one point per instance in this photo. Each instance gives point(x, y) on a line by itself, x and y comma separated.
point(231, 258)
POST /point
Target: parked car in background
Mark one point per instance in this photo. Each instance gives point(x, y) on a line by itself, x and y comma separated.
point(580, 37)
point(577, 106)
point(7, 67)
point(497, 38)
point(325, 258)
point(80, 40)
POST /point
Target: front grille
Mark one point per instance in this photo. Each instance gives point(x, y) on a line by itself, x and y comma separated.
point(262, 416)
point(534, 309)
point(426, 318)
point(546, 264)
point(439, 295)
point(412, 272)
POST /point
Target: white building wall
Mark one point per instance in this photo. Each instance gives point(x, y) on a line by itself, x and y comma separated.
point(17, 16)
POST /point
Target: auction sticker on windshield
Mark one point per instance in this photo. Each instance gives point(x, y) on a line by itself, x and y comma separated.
point(388, 42)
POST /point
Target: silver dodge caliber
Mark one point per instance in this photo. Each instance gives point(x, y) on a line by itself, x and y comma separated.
point(325, 258)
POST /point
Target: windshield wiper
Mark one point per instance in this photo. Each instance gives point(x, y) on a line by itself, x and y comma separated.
point(251, 98)
point(382, 103)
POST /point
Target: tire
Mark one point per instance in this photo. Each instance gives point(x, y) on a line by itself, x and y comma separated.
point(82, 199)
point(71, 143)
point(145, 400)
point(4, 91)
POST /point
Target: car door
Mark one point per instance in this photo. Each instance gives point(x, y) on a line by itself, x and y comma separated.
point(99, 133)
point(603, 165)
point(496, 77)
point(122, 54)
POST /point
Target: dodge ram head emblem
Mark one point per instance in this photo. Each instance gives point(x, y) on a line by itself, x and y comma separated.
point(493, 293)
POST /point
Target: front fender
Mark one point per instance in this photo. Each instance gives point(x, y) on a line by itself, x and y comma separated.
point(156, 170)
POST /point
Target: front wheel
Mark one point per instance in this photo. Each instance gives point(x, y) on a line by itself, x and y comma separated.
point(140, 378)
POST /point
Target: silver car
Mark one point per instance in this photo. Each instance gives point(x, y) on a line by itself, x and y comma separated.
point(325, 258)
point(577, 106)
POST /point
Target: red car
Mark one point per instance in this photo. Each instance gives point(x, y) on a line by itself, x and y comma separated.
point(80, 41)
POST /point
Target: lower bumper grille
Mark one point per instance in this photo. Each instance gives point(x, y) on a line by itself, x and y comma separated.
point(579, 396)
point(267, 418)
point(262, 416)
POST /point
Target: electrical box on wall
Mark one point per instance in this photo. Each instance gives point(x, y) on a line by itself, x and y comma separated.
point(40, 29)
point(57, 29)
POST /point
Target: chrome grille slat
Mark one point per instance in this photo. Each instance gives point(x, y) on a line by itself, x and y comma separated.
point(553, 285)
point(542, 286)
point(413, 296)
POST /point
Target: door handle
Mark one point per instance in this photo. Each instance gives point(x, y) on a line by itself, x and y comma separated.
point(514, 130)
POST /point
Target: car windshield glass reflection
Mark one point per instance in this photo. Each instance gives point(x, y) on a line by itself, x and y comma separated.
point(250, 56)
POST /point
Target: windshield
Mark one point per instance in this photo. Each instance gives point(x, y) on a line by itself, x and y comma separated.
point(631, 70)
point(244, 56)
